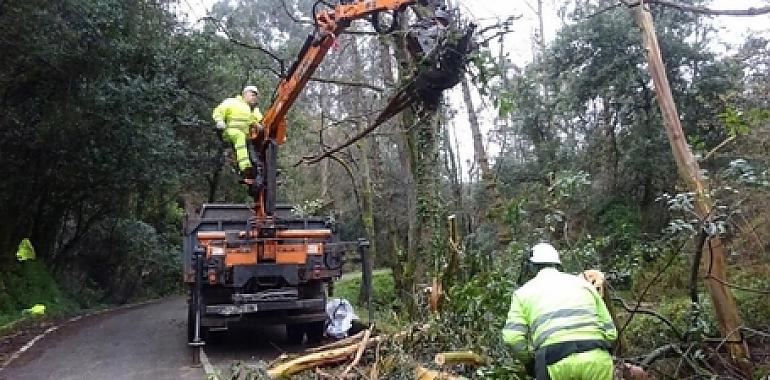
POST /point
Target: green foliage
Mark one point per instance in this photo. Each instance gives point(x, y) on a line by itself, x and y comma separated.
point(743, 172)
point(646, 332)
point(486, 70)
point(738, 122)
point(308, 207)
point(101, 123)
point(474, 315)
point(25, 284)
point(383, 296)
point(753, 302)
point(570, 183)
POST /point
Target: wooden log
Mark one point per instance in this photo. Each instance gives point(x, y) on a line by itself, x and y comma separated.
point(340, 343)
point(460, 357)
point(316, 359)
point(422, 373)
point(360, 352)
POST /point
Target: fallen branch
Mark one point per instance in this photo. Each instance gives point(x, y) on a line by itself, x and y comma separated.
point(752, 11)
point(422, 373)
point(340, 343)
point(360, 352)
point(460, 357)
point(316, 359)
point(374, 372)
point(716, 148)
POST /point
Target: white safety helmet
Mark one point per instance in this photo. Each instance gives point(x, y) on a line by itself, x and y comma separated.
point(544, 253)
point(251, 88)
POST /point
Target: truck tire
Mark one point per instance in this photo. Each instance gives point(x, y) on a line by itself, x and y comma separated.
point(295, 333)
point(315, 331)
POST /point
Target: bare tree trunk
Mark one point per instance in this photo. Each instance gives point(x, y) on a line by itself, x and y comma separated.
point(608, 147)
point(324, 179)
point(494, 203)
point(367, 193)
point(689, 172)
point(405, 254)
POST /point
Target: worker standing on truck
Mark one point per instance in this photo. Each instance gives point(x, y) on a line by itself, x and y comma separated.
point(233, 117)
point(562, 320)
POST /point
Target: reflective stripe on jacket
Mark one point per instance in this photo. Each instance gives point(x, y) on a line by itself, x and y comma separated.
point(556, 307)
point(236, 113)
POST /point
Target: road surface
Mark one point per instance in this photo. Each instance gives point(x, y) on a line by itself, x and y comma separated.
point(143, 342)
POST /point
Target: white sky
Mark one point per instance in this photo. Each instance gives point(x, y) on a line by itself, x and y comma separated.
point(518, 44)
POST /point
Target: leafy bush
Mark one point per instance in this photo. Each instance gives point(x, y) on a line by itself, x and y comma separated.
point(383, 297)
point(25, 284)
point(473, 316)
point(753, 308)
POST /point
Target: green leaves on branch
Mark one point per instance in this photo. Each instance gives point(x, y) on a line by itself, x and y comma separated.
point(739, 122)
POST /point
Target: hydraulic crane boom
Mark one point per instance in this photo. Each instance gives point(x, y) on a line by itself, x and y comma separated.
point(329, 23)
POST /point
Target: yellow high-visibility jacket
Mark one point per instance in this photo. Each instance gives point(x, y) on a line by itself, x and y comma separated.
point(25, 251)
point(556, 307)
point(236, 113)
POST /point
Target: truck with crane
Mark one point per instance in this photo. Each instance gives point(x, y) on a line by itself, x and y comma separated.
point(259, 262)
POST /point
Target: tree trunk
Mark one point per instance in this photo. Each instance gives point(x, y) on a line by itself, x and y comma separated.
point(689, 172)
point(493, 208)
point(367, 193)
point(407, 262)
point(427, 233)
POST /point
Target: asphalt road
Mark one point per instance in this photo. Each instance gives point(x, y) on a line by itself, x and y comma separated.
point(145, 342)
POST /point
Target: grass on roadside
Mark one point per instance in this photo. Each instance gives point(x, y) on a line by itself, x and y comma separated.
point(383, 298)
point(23, 285)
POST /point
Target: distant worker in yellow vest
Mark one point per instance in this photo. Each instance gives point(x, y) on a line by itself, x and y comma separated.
point(26, 251)
point(562, 320)
point(233, 117)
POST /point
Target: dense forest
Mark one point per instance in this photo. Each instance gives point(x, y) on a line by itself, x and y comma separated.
point(107, 144)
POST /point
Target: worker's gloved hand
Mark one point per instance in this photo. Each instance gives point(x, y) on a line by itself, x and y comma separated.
point(221, 126)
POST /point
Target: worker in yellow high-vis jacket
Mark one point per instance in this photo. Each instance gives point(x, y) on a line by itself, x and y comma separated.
point(233, 117)
point(562, 320)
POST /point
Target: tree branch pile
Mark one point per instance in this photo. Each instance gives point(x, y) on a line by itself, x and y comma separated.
point(366, 355)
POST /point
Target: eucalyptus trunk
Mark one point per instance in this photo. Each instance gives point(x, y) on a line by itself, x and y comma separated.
point(713, 256)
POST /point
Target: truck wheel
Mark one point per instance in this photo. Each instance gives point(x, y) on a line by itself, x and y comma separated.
point(295, 333)
point(315, 331)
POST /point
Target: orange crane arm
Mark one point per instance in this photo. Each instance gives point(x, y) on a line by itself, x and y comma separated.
point(329, 24)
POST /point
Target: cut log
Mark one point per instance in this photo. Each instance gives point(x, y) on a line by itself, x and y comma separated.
point(422, 373)
point(340, 343)
point(316, 359)
point(460, 357)
point(360, 352)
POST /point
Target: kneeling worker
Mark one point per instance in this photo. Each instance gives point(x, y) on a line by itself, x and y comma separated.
point(562, 320)
point(233, 117)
